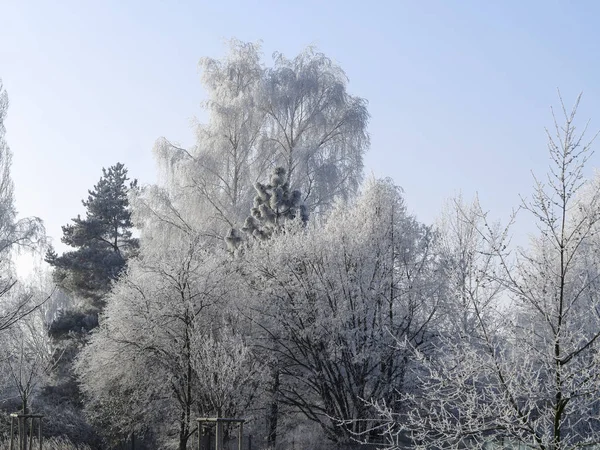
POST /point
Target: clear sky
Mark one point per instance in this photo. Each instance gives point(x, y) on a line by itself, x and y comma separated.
point(459, 91)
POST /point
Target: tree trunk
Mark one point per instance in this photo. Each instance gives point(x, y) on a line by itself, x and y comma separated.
point(273, 412)
point(183, 436)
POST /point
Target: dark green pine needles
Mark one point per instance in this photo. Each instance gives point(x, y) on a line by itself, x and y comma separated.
point(102, 240)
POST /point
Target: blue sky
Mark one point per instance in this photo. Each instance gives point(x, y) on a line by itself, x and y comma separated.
point(459, 91)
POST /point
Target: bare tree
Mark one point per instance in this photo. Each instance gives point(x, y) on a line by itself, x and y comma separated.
point(28, 357)
point(526, 372)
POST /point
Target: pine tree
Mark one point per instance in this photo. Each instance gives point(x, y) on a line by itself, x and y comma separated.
point(274, 204)
point(103, 239)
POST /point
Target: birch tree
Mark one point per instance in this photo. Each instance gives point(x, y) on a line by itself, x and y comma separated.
point(297, 115)
point(314, 128)
point(220, 170)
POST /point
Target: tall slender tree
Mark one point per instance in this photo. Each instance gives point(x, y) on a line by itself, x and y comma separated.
point(15, 234)
point(274, 204)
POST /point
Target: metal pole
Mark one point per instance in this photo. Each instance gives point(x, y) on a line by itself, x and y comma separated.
point(240, 435)
point(218, 436)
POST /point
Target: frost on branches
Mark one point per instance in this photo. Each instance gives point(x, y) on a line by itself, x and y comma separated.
point(151, 365)
point(274, 204)
point(522, 368)
point(15, 234)
point(27, 356)
point(296, 115)
point(171, 345)
point(329, 300)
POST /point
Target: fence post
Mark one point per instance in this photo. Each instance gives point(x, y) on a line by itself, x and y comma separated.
point(23, 434)
point(40, 432)
point(12, 432)
point(31, 433)
point(219, 437)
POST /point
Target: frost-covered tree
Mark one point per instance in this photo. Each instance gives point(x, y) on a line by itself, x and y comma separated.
point(314, 128)
point(471, 314)
point(526, 373)
point(229, 374)
point(102, 240)
point(469, 266)
point(139, 371)
point(227, 158)
point(274, 204)
point(331, 301)
point(27, 355)
point(15, 234)
point(296, 115)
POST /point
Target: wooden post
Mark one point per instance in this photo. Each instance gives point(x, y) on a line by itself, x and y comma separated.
point(24, 433)
point(200, 435)
point(22, 442)
point(31, 433)
point(240, 435)
point(19, 444)
point(40, 432)
point(12, 432)
point(218, 437)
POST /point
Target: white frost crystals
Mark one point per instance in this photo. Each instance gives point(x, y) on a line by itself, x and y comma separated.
point(528, 372)
point(296, 114)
